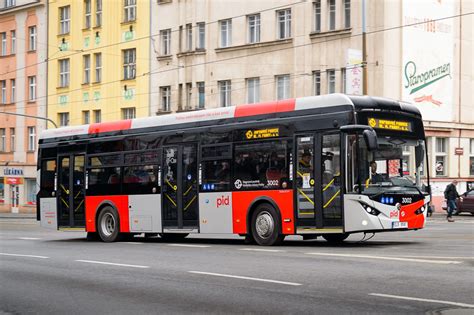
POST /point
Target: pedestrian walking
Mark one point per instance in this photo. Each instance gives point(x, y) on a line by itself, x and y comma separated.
point(451, 194)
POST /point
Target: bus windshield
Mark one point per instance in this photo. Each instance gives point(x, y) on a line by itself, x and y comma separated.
point(397, 166)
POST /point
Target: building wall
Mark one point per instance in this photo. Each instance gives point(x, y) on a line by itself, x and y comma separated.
point(114, 35)
point(18, 162)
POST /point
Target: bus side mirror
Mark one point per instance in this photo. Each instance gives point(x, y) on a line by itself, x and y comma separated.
point(419, 152)
point(370, 138)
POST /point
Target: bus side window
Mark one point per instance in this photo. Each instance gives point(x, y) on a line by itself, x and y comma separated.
point(48, 171)
point(216, 167)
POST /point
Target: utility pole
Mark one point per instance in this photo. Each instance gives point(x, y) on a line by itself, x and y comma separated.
point(31, 116)
point(364, 51)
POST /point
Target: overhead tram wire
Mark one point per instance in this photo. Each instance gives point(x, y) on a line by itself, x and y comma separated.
point(266, 52)
point(151, 36)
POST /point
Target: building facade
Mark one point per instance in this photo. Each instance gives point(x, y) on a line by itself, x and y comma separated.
point(207, 54)
point(23, 51)
point(98, 60)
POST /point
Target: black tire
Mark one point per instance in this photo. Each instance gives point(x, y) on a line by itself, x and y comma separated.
point(266, 226)
point(173, 237)
point(108, 225)
point(92, 236)
point(335, 238)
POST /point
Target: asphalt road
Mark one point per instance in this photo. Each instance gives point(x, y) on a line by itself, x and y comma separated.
point(426, 271)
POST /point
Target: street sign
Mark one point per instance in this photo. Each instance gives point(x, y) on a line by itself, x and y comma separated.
point(458, 151)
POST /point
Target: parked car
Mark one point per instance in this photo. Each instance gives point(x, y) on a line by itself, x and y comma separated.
point(464, 204)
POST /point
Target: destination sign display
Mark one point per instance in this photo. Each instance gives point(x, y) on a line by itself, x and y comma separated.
point(390, 124)
point(262, 133)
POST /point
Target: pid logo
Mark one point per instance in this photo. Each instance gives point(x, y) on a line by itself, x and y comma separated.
point(223, 201)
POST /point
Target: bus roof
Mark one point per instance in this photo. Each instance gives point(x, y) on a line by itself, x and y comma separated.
point(247, 110)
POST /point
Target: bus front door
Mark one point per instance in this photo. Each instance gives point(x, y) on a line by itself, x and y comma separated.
point(179, 187)
point(317, 185)
point(70, 191)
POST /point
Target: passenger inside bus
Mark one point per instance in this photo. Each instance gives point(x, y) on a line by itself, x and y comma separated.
point(374, 176)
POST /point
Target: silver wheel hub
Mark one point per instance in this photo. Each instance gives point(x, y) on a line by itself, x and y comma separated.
point(108, 224)
point(264, 224)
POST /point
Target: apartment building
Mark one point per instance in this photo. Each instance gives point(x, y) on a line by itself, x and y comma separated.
point(98, 60)
point(23, 50)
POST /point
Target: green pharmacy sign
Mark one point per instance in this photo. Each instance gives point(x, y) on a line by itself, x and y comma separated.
point(62, 99)
point(128, 35)
point(85, 97)
point(86, 41)
point(96, 96)
point(128, 94)
point(418, 81)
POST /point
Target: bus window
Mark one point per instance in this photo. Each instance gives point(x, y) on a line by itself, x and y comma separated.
point(48, 171)
point(104, 181)
point(105, 160)
point(216, 162)
point(260, 165)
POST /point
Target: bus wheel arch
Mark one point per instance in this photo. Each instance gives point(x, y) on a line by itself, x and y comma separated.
point(107, 222)
point(264, 222)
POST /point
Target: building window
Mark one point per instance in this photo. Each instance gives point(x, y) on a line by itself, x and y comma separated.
point(331, 81)
point(13, 42)
point(471, 158)
point(253, 90)
point(165, 42)
point(64, 73)
point(224, 93)
point(32, 37)
point(332, 14)
point(13, 93)
point(129, 59)
point(201, 95)
point(343, 80)
point(226, 33)
point(284, 23)
point(32, 88)
point(3, 36)
point(347, 13)
point(12, 139)
point(201, 37)
point(98, 67)
point(129, 10)
point(189, 37)
point(31, 138)
point(86, 61)
point(283, 86)
point(98, 13)
point(317, 16)
point(86, 117)
point(128, 113)
point(9, 3)
point(317, 82)
point(3, 97)
point(64, 20)
point(189, 95)
point(3, 140)
point(87, 13)
point(31, 191)
point(441, 156)
point(97, 116)
point(165, 92)
point(254, 28)
point(63, 119)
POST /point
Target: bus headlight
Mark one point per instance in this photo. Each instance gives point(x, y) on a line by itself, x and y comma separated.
point(370, 210)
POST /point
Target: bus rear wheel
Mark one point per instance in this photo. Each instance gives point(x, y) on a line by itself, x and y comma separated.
point(266, 226)
point(335, 238)
point(108, 225)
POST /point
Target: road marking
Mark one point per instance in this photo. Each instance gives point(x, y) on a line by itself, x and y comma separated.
point(29, 238)
point(134, 243)
point(112, 264)
point(189, 245)
point(438, 257)
point(245, 278)
point(263, 250)
point(422, 300)
point(20, 255)
point(442, 262)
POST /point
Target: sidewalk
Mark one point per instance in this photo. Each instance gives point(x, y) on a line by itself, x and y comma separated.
point(18, 216)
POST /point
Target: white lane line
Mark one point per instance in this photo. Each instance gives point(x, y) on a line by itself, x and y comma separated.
point(109, 263)
point(20, 255)
point(263, 250)
point(422, 300)
point(438, 257)
point(29, 238)
point(244, 278)
point(189, 245)
point(442, 262)
point(134, 243)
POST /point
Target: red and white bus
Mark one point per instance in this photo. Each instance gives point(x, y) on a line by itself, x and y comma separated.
point(315, 166)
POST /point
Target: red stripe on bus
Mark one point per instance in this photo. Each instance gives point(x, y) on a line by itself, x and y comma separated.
point(242, 200)
point(265, 108)
point(407, 214)
point(110, 126)
point(118, 202)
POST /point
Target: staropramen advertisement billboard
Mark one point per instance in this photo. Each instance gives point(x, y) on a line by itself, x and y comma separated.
point(428, 53)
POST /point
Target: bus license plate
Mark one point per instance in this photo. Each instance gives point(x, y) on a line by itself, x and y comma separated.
point(399, 225)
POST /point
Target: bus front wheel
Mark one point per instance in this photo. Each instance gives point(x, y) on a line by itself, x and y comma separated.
point(108, 225)
point(266, 225)
point(335, 238)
